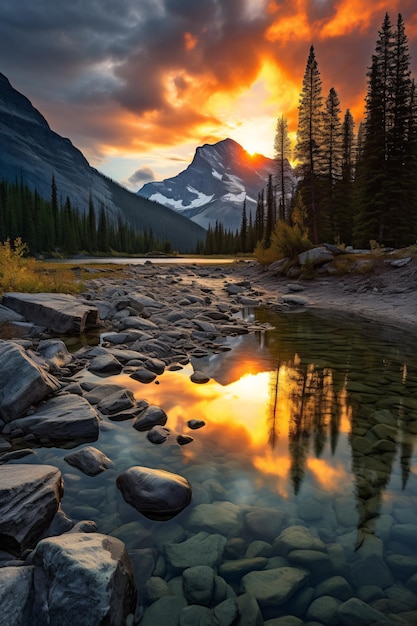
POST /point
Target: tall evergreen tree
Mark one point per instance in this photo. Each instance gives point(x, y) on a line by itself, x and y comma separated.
point(308, 149)
point(270, 213)
point(386, 209)
point(244, 229)
point(344, 188)
point(283, 153)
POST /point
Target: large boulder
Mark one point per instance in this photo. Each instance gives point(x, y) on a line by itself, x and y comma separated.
point(63, 418)
point(16, 595)
point(156, 494)
point(82, 578)
point(29, 499)
point(316, 256)
point(23, 382)
point(59, 312)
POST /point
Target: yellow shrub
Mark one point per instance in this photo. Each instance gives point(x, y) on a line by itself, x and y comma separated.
point(18, 272)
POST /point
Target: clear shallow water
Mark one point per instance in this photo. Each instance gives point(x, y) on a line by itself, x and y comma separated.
point(317, 420)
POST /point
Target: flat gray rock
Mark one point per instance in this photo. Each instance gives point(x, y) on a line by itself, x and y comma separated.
point(274, 587)
point(55, 353)
point(89, 460)
point(23, 382)
point(64, 418)
point(82, 576)
point(156, 494)
point(121, 400)
point(59, 312)
point(29, 499)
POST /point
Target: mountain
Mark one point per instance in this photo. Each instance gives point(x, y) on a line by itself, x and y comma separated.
point(30, 151)
point(215, 184)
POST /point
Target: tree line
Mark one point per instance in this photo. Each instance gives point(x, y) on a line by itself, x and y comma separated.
point(357, 188)
point(50, 227)
point(354, 187)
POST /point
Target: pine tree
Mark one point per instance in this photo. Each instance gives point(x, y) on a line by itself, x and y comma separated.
point(344, 188)
point(270, 213)
point(308, 150)
point(244, 229)
point(385, 208)
point(283, 153)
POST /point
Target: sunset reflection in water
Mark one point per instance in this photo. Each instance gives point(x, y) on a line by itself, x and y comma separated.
point(282, 423)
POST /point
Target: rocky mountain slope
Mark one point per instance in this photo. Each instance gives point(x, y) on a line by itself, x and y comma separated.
point(215, 184)
point(32, 152)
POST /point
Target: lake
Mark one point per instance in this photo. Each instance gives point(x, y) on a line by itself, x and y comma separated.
point(307, 461)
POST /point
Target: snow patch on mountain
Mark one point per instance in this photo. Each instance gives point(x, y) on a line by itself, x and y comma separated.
point(214, 187)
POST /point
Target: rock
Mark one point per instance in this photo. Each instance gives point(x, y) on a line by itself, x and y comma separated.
point(226, 612)
point(29, 499)
point(64, 418)
point(195, 424)
point(368, 564)
point(155, 588)
point(105, 365)
point(294, 300)
point(55, 353)
point(199, 377)
point(297, 538)
point(121, 400)
point(249, 611)
point(198, 584)
point(200, 549)
point(100, 392)
point(316, 256)
point(158, 434)
point(237, 568)
point(151, 416)
point(265, 523)
point(61, 313)
point(401, 262)
point(196, 614)
point(274, 587)
point(89, 460)
point(183, 440)
point(356, 612)
point(143, 375)
point(166, 611)
point(315, 561)
point(323, 610)
point(156, 494)
point(155, 365)
point(23, 382)
point(225, 518)
point(16, 595)
point(89, 573)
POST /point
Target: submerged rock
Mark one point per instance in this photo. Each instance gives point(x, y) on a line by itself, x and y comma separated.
point(156, 494)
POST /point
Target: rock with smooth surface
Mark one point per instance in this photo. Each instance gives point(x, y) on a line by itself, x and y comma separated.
point(151, 416)
point(89, 460)
point(200, 549)
point(29, 499)
point(23, 382)
point(157, 494)
point(82, 578)
point(274, 587)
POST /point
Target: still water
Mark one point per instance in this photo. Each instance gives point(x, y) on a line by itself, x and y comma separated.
point(312, 424)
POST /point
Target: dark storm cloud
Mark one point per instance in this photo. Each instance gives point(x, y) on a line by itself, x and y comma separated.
point(132, 73)
point(142, 175)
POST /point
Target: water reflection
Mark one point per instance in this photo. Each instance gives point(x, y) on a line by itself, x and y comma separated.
point(308, 402)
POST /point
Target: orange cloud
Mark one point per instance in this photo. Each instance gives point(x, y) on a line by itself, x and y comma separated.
point(355, 15)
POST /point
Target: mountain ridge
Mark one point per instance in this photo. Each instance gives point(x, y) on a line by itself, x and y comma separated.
point(215, 184)
point(30, 151)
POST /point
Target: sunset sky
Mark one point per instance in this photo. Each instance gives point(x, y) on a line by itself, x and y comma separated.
point(137, 85)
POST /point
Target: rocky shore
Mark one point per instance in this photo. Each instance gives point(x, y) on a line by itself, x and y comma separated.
point(55, 571)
